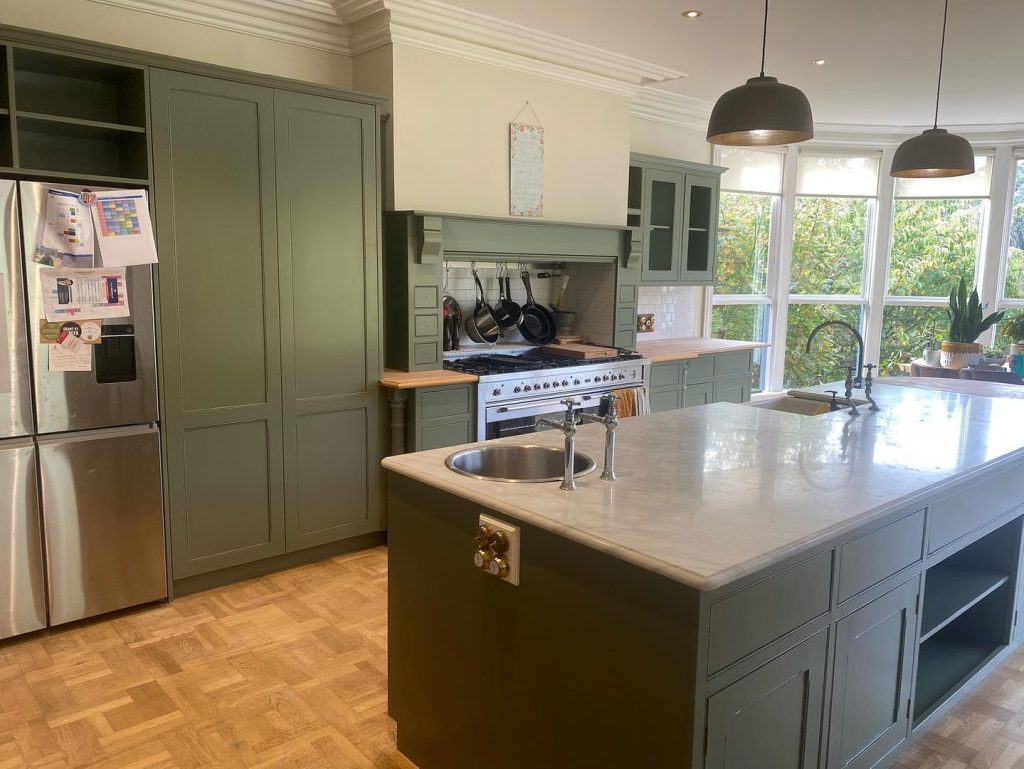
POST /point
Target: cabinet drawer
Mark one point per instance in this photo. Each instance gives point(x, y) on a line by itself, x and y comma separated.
point(871, 557)
point(745, 621)
point(441, 402)
point(445, 434)
point(700, 394)
point(727, 364)
point(666, 374)
point(700, 368)
point(973, 507)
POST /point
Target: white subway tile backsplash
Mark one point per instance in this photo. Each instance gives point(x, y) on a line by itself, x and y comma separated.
point(677, 311)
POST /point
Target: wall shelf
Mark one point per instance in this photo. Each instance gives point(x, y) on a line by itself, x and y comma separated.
point(73, 178)
point(60, 125)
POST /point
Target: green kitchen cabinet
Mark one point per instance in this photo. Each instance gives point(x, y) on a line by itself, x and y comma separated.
point(216, 219)
point(771, 718)
point(267, 227)
point(675, 206)
point(871, 679)
point(327, 228)
point(441, 417)
point(715, 378)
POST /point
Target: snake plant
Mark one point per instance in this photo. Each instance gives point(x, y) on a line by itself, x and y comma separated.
point(966, 323)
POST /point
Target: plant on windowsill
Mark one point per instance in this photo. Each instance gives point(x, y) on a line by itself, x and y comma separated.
point(1013, 329)
point(966, 324)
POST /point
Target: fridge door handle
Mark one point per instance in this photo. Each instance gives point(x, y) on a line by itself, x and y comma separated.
point(92, 435)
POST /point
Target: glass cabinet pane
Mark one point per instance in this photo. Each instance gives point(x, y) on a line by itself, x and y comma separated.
point(660, 256)
point(698, 228)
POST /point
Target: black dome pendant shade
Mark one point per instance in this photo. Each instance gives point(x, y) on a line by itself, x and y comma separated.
point(762, 112)
point(936, 153)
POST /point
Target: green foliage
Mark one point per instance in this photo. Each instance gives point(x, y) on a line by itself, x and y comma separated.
point(1012, 329)
point(966, 320)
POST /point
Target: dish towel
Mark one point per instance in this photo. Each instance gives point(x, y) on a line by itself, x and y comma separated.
point(632, 401)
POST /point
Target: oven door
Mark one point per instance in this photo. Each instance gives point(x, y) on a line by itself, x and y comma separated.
point(521, 418)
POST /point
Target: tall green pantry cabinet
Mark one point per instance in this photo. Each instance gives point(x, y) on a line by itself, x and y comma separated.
point(268, 231)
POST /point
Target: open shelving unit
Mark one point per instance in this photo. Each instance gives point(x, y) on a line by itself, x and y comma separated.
point(66, 117)
point(965, 617)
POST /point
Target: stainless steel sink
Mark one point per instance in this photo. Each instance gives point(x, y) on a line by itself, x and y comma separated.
point(792, 405)
point(516, 464)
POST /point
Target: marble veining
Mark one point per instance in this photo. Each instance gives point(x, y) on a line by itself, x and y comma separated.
point(708, 495)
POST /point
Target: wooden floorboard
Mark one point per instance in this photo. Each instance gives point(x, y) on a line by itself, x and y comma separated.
point(289, 671)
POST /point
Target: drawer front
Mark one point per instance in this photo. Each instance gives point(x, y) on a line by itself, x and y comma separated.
point(700, 368)
point(963, 512)
point(729, 363)
point(745, 621)
point(445, 434)
point(733, 390)
point(666, 374)
point(872, 557)
point(665, 400)
point(700, 394)
point(441, 402)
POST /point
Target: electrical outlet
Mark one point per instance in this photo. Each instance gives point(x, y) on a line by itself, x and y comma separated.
point(504, 551)
point(645, 323)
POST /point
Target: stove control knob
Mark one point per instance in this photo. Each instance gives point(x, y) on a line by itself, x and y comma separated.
point(497, 391)
point(520, 389)
point(604, 378)
point(576, 382)
point(547, 385)
point(565, 383)
point(527, 388)
point(555, 384)
point(622, 376)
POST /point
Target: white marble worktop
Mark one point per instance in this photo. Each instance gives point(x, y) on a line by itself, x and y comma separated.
point(710, 494)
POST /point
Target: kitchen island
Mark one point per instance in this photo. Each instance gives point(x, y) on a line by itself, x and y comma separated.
point(758, 589)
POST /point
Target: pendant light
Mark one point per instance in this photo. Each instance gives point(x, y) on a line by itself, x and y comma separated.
point(762, 112)
point(935, 153)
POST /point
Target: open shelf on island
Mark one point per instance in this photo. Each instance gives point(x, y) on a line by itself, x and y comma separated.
point(952, 591)
point(943, 666)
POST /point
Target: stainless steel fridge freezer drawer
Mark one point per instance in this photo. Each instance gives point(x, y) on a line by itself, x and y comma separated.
point(103, 519)
point(22, 588)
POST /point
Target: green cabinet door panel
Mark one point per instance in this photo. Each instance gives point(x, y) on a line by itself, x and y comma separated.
point(216, 224)
point(871, 679)
point(771, 718)
point(700, 229)
point(663, 226)
point(733, 390)
point(665, 399)
point(700, 394)
point(330, 332)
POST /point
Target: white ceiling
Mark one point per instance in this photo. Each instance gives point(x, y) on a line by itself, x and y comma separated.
point(883, 53)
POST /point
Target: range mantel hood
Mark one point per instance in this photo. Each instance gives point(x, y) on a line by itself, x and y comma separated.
point(465, 238)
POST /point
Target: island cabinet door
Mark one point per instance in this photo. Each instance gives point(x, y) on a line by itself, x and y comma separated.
point(771, 718)
point(871, 679)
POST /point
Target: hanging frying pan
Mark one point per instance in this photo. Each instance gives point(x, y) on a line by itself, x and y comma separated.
point(508, 314)
point(451, 312)
point(538, 326)
point(481, 325)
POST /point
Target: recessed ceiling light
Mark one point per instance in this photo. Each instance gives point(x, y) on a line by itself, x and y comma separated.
point(693, 14)
point(820, 62)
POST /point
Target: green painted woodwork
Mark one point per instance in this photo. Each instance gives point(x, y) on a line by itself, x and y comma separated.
point(732, 390)
point(771, 718)
point(412, 296)
point(216, 224)
point(588, 663)
point(747, 620)
point(465, 238)
point(442, 417)
point(880, 553)
point(790, 676)
point(717, 378)
point(874, 653)
point(627, 288)
point(330, 335)
point(959, 514)
point(674, 204)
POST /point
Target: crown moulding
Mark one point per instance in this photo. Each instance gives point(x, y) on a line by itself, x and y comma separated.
point(351, 27)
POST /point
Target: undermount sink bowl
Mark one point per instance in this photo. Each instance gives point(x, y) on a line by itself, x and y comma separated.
point(516, 464)
point(792, 405)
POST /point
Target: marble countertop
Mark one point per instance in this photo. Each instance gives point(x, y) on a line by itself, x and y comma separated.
point(409, 380)
point(691, 347)
point(708, 495)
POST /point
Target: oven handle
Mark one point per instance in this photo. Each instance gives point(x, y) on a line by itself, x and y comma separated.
point(540, 406)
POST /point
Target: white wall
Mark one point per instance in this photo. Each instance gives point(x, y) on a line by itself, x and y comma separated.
point(173, 37)
point(451, 119)
point(669, 141)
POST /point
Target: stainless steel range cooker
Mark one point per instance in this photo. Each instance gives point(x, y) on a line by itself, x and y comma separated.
point(515, 390)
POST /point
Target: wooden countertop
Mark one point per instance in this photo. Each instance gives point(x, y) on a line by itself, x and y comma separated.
point(691, 347)
point(410, 380)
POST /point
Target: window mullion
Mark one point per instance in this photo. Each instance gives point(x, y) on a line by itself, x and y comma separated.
point(992, 279)
point(878, 268)
point(778, 289)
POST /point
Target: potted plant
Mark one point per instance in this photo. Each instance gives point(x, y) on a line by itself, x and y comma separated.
point(931, 354)
point(1013, 329)
point(966, 324)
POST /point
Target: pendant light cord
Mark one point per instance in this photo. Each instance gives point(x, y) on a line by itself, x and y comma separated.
point(942, 55)
point(764, 38)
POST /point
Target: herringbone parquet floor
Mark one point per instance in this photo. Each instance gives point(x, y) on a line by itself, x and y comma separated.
point(288, 671)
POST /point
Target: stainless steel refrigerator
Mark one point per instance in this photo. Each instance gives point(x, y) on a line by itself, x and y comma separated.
point(81, 514)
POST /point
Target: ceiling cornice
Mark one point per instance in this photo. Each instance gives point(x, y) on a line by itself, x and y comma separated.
point(675, 109)
point(309, 23)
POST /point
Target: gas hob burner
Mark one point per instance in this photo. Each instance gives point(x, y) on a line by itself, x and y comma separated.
point(532, 360)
